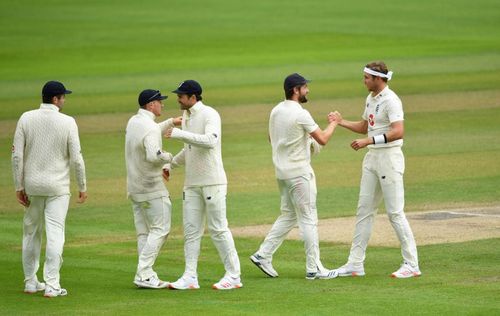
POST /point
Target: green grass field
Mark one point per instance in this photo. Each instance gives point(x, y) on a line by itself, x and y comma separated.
point(446, 60)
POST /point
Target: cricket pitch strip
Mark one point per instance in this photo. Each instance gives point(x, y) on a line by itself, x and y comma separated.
point(429, 227)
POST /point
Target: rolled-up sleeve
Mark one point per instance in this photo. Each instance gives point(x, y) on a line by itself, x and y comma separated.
point(307, 122)
point(395, 110)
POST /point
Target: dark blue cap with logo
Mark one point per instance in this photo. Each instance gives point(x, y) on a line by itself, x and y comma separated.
point(189, 87)
point(294, 80)
point(53, 88)
point(149, 95)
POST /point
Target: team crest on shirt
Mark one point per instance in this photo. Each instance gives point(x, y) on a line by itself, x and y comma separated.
point(371, 119)
point(376, 109)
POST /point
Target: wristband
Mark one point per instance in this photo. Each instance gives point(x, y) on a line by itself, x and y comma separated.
point(379, 139)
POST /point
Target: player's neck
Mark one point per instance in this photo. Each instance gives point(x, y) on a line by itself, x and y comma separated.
point(378, 89)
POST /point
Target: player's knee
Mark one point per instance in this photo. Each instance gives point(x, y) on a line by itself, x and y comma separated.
point(366, 208)
point(396, 216)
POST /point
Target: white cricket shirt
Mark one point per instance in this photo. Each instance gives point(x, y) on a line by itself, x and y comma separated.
point(289, 129)
point(46, 143)
point(380, 111)
point(202, 153)
point(144, 156)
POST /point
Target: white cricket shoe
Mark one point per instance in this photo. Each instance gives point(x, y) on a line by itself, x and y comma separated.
point(264, 264)
point(350, 269)
point(33, 286)
point(228, 283)
point(185, 282)
point(152, 283)
point(326, 274)
point(51, 292)
point(406, 271)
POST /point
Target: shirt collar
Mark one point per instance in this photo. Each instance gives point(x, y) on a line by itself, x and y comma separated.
point(49, 106)
point(146, 113)
point(196, 107)
point(293, 103)
point(382, 93)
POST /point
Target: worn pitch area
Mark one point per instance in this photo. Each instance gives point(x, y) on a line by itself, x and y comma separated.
point(430, 227)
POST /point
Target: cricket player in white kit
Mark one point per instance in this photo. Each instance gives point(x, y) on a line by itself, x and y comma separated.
point(205, 188)
point(145, 159)
point(382, 174)
point(46, 143)
point(292, 132)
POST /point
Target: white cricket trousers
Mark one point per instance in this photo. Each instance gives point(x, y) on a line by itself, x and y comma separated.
point(382, 177)
point(298, 205)
point(52, 210)
point(152, 225)
point(208, 202)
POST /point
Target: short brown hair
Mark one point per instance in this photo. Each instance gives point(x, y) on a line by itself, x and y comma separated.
point(378, 66)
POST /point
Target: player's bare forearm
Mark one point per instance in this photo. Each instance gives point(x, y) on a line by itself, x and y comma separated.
point(360, 127)
point(397, 131)
point(323, 136)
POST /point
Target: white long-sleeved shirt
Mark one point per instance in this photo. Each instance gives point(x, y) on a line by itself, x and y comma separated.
point(289, 128)
point(202, 154)
point(46, 144)
point(380, 111)
point(144, 156)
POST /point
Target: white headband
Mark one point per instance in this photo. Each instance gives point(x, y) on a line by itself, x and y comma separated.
point(378, 74)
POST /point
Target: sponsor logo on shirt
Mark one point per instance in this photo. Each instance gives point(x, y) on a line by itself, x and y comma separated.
point(371, 120)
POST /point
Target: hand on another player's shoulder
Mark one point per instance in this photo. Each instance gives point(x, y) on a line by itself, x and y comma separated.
point(177, 120)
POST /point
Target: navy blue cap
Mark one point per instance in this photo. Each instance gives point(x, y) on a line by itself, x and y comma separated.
point(293, 81)
point(53, 88)
point(149, 95)
point(189, 87)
